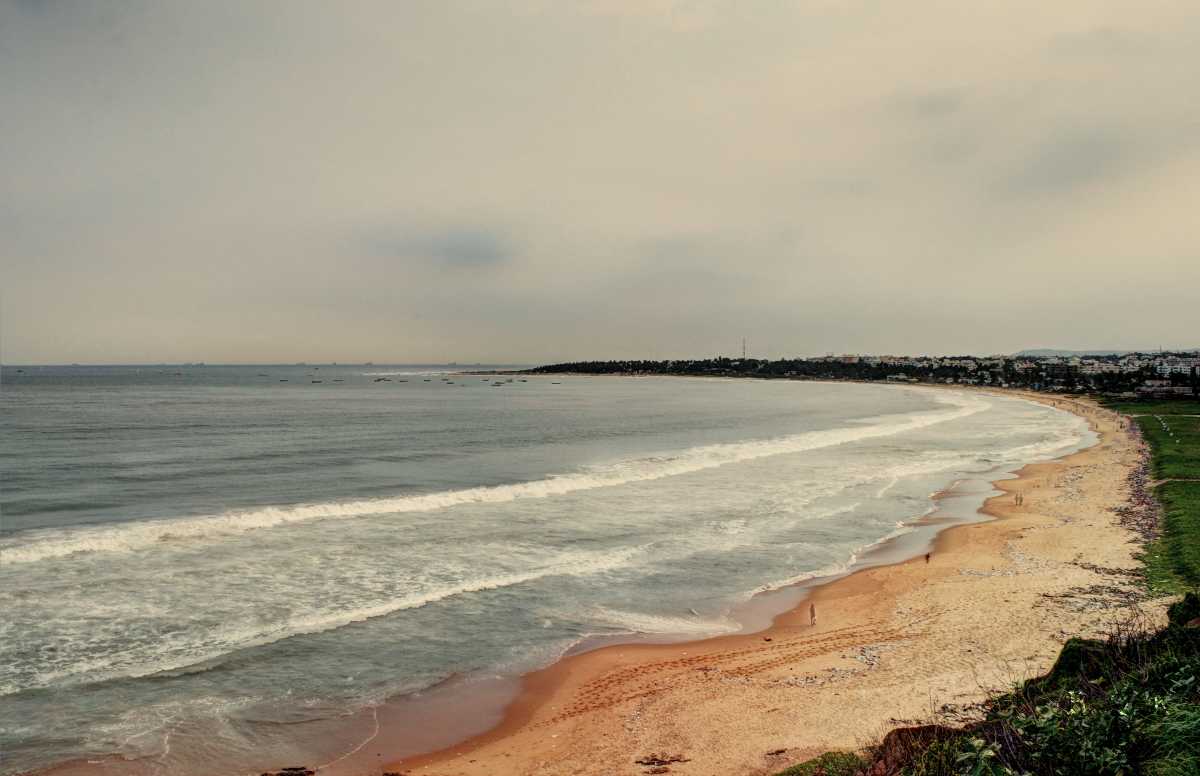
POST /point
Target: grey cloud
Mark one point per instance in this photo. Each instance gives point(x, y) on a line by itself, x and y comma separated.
point(1102, 41)
point(520, 180)
point(1068, 161)
point(467, 247)
point(932, 104)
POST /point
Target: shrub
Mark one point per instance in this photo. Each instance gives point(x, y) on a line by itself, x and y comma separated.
point(828, 764)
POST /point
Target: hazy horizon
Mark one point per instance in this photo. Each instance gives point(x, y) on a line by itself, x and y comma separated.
point(531, 182)
point(496, 362)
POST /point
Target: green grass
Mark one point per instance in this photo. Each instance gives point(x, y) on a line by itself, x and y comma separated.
point(1181, 529)
point(1175, 449)
point(1155, 407)
point(1173, 560)
point(1161, 577)
point(830, 764)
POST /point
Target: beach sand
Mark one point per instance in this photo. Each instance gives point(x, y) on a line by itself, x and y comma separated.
point(911, 641)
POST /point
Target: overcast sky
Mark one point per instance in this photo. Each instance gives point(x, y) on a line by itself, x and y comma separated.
point(543, 180)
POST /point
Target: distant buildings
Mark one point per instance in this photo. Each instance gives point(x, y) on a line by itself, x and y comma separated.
point(1176, 365)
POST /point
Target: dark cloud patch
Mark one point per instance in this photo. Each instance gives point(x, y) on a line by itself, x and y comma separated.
point(929, 105)
point(455, 247)
point(1070, 161)
point(37, 6)
point(469, 247)
point(677, 251)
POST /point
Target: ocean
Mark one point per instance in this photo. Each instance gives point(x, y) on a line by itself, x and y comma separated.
point(216, 569)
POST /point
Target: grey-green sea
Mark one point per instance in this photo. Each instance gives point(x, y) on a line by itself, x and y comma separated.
point(219, 568)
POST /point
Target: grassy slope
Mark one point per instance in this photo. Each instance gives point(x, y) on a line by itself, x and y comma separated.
point(1126, 705)
point(1181, 537)
point(828, 764)
point(1172, 429)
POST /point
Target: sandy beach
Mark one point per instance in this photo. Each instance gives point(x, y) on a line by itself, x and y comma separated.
point(917, 640)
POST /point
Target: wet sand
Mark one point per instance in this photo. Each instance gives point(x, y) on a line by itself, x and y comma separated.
point(913, 640)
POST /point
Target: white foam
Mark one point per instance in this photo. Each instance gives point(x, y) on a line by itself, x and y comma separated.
point(825, 571)
point(836, 568)
point(141, 535)
point(654, 624)
point(145, 731)
point(172, 656)
point(1060, 442)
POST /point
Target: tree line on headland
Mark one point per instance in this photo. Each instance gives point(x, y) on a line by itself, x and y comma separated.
point(1160, 375)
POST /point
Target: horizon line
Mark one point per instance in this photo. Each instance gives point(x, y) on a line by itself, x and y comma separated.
point(1077, 351)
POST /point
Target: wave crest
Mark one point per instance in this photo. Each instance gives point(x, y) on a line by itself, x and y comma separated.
point(141, 535)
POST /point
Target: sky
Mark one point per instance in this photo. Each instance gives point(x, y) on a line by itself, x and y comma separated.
point(540, 180)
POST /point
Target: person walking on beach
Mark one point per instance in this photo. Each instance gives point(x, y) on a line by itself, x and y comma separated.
point(812, 614)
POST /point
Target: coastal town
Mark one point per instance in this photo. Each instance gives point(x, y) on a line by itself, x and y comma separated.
point(1165, 374)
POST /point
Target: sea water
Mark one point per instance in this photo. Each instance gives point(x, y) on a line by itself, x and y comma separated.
point(196, 560)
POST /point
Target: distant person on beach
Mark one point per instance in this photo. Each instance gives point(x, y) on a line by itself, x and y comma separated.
point(926, 558)
point(812, 614)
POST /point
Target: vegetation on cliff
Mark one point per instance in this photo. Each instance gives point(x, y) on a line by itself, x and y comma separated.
point(1129, 704)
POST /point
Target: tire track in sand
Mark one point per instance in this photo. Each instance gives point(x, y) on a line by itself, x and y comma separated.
point(639, 681)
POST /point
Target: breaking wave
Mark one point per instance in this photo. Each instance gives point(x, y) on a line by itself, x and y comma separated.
point(173, 655)
point(140, 535)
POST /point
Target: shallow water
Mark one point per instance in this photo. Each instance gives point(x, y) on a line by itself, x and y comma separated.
point(198, 565)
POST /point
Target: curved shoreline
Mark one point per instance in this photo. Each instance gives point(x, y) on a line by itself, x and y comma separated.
point(518, 725)
point(550, 698)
